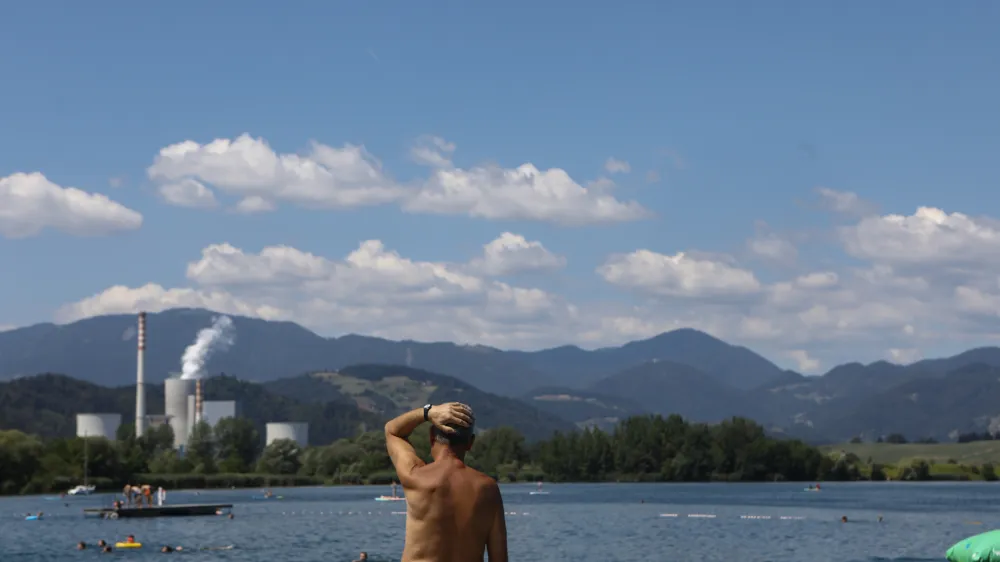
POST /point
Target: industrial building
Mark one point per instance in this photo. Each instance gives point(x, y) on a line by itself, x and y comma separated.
point(98, 425)
point(296, 431)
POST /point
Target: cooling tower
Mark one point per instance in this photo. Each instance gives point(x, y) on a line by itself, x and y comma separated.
point(140, 379)
point(190, 413)
point(176, 408)
point(296, 431)
point(98, 425)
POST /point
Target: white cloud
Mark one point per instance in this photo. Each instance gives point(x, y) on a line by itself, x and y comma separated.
point(523, 193)
point(803, 361)
point(512, 253)
point(188, 193)
point(154, 298)
point(30, 203)
point(372, 290)
point(930, 237)
point(323, 177)
point(254, 204)
point(770, 246)
point(845, 202)
point(679, 275)
point(904, 356)
point(328, 178)
point(432, 151)
point(615, 166)
point(7, 327)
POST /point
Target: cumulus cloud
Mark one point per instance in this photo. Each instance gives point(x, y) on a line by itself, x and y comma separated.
point(930, 237)
point(845, 202)
point(803, 361)
point(372, 290)
point(30, 203)
point(615, 166)
point(679, 275)
point(524, 193)
point(432, 151)
point(326, 177)
point(929, 278)
point(512, 253)
point(247, 167)
point(904, 356)
point(188, 193)
point(772, 247)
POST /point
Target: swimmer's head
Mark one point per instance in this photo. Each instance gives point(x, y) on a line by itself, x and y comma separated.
point(81, 545)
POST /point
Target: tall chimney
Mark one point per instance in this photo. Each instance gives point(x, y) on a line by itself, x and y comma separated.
point(197, 401)
point(140, 376)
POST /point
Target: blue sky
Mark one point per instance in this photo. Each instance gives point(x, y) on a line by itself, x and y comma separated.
point(729, 115)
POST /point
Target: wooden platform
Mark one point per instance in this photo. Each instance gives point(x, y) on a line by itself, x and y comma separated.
point(178, 510)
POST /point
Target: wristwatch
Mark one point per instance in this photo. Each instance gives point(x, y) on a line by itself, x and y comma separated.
point(427, 411)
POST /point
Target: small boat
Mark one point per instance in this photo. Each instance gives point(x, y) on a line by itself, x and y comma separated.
point(393, 498)
point(82, 490)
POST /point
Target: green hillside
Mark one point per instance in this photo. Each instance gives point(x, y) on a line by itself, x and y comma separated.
point(976, 452)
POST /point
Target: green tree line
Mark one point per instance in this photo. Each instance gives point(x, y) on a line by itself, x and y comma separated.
point(640, 449)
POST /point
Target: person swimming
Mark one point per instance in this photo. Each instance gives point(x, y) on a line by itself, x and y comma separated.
point(107, 548)
point(167, 549)
point(130, 539)
point(101, 544)
point(81, 545)
point(362, 557)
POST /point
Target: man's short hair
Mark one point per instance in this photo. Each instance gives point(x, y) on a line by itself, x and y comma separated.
point(461, 436)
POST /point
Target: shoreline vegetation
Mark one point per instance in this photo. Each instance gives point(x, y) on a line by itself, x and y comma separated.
point(640, 449)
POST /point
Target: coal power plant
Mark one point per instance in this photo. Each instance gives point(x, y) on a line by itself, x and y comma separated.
point(184, 407)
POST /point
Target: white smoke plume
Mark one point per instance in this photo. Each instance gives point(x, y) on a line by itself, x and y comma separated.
point(218, 336)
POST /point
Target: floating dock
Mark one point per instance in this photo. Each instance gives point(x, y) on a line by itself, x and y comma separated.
point(179, 510)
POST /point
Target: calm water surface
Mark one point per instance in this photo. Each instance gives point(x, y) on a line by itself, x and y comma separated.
point(574, 522)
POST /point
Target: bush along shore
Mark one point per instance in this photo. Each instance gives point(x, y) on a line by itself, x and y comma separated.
point(640, 449)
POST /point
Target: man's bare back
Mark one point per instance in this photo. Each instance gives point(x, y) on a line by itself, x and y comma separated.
point(454, 513)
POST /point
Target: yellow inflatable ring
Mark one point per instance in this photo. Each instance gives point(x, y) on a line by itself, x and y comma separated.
point(128, 545)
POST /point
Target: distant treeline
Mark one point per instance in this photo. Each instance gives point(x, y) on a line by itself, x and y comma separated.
point(644, 448)
point(973, 436)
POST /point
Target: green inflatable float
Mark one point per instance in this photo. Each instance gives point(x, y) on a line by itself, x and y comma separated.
point(980, 548)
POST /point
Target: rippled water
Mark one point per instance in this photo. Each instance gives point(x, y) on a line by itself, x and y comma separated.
point(575, 522)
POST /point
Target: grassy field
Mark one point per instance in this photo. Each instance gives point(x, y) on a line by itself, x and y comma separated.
point(975, 453)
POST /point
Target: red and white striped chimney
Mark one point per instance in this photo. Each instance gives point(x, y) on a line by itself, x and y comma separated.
point(197, 401)
point(140, 379)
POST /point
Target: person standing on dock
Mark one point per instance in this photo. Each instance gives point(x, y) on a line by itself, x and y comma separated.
point(161, 496)
point(454, 513)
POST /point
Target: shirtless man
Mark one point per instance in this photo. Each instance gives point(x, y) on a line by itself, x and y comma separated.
point(453, 513)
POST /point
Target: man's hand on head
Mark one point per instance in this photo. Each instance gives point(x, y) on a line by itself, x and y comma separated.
point(446, 417)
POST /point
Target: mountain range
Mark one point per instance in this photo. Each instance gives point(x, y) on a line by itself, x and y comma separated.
point(684, 371)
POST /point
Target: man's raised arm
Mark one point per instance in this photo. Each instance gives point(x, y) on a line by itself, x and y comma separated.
point(404, 456)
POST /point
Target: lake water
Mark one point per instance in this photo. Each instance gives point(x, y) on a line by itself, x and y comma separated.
point(574, 522)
